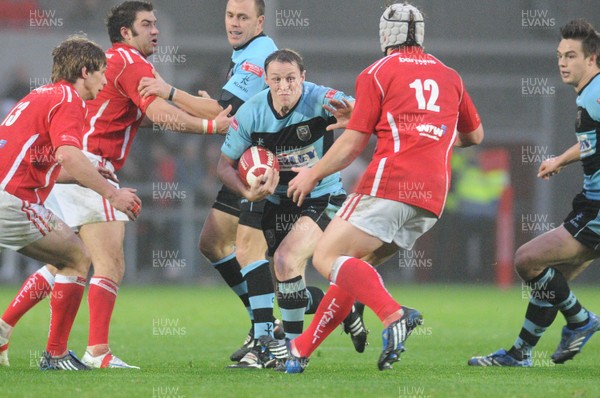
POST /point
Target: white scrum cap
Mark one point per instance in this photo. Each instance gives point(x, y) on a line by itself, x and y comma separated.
point(395, 23)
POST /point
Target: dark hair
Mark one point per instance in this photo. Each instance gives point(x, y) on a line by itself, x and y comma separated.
point(124, 15)
point(70, 56)
point(582, 30)
point(285, 55)
point(260, 7)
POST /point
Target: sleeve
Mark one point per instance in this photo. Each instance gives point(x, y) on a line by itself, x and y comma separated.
point(66, 124)
point(367, 108)
point(129, 81)
point(247, 79)
point(334, 94)
point(468, 118)
point(238, 137)
point(227, 99)
point(592, 106)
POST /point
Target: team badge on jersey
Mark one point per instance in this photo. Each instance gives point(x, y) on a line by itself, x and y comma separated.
point(578, 119)
point(248, 67)
point(303, 133)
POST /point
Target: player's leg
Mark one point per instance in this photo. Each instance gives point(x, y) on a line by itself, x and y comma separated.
point(539, 262)
point(35, 289)
point(104, 241)
point(290, 262)
point(251, 249)
point(217, 241)
point(63, 248)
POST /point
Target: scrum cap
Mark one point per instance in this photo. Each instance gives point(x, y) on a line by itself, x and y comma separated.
point(401, 24)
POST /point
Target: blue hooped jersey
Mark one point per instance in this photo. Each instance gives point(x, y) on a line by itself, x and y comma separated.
point(298, 139)
point(587, 128)
point(246, 74)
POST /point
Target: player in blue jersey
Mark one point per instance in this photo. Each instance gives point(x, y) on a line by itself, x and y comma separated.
point(231, 237)
point(290, 120)
point(547, 262)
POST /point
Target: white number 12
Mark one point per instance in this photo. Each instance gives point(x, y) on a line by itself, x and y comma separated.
point(429, 85)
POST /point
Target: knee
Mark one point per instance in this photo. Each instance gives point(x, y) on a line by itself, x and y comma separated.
point(212, 247)
point(286, 264)
point(524, 263)
point(322, 263)
point(78, 260)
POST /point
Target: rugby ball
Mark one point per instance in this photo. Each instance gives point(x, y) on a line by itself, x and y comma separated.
point(255, 162)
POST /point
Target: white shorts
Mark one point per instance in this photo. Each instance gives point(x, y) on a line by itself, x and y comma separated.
point(22, 223)
point(77, 205)
point(387, 220)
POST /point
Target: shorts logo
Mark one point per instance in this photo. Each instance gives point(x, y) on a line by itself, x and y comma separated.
point(234, 124)
point(248, 67)
point(270, 237)
point(3, 143)
point(303, 133)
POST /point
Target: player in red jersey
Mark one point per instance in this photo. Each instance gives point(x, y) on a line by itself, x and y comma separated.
point(418, 109)
point(111, 124)
point(38, 136)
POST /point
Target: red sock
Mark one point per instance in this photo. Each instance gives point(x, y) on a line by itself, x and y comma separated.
point(35, 289)
point(361, 280)
point(64, 303)
point(101, 301)
point(333, 309)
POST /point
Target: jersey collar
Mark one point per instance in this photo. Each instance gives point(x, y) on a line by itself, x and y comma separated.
point(261, 34)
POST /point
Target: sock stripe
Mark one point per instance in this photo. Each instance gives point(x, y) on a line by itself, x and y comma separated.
point(46, 274)
point(262, 301)
point(224, 259)
point(79, 280)
point(106, 284)
point(252, 266)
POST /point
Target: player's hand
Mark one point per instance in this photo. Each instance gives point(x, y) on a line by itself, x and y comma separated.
point(157, 86)
point(263, 186)
point(549, 168)
point(302, 185)
point(204, 94)
point(126, 201)
point(108, 174)
point(341, 110)
point(223, 120)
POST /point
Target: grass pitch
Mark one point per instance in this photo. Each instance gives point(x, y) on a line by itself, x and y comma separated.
point(182, 337)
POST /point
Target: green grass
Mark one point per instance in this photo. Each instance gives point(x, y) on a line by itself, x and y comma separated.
point(205, 324)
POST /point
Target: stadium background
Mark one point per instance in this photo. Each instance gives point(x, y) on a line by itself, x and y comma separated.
point(505, 52)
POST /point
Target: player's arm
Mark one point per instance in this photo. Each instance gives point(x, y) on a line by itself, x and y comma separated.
point(65, 178)
point(470, 129)
point(173, 118)
point(343, 152)
point(341, 110)
point(199, 106)
point(262, 187)
point(554, 165)
point(474, 137)
point(80, 168)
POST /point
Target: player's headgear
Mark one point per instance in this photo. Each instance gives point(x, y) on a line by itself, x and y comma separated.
point(401, 24)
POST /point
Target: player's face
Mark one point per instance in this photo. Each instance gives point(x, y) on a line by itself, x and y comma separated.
point(93, 83)
point(242, 22)
point(575, 68)
point(144, 33)
point(285, 82)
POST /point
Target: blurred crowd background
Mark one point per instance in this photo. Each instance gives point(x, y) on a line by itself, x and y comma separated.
point(505, 52)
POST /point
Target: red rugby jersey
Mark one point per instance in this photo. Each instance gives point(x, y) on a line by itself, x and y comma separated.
point(115, 115)
point(47, 118)
point(414, 104)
